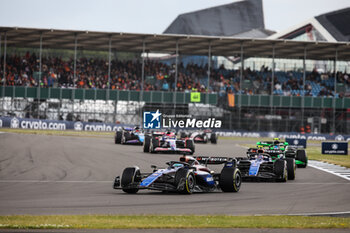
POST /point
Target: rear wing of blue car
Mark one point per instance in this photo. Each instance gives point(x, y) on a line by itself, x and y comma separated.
point(209, 159)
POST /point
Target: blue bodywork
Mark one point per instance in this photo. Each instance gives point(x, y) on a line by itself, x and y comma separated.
point(150, 179)
point(254, 167)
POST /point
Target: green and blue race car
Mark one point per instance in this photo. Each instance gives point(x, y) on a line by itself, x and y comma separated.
point(289, 151)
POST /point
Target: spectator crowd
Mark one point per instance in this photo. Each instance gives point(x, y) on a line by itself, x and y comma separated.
point(126, 75)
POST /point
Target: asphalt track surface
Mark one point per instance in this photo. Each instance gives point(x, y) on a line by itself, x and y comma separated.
point(42, 174)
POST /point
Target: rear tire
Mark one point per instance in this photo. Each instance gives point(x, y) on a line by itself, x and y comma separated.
point(280, 168)
point(230, 179)
point(123, 137)
point(118, 137)
point(146, 144)
point(130, 175)
point(154, 144)
point(183, 135)
point(301, 156)
point(190, 145)
point(185, 181)
point(291, 168)
point(213, 138)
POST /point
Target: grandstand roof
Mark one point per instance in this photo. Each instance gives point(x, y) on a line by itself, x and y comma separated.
point(188, 44)
point(337, 23)
point(224, 20)
point(332, 26)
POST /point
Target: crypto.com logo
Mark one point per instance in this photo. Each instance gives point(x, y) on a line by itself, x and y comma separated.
point(78, 126)
point(14, 123)
point(151, 120)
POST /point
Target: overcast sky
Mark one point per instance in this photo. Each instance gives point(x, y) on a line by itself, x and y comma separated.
point(144, 16)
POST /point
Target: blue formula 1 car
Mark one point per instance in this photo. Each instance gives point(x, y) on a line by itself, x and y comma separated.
point(266, 165)
point(186, 176)
point(134, 136)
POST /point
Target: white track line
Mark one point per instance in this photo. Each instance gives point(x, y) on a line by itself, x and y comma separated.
point(308, 214)
point(331, 168)
point(329, 213)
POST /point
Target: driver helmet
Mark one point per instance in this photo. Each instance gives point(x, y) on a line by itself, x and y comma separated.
point(169, 134)
point(136, 129)
point(178, 165)
point(276, 141)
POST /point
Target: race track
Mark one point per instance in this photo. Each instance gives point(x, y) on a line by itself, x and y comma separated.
point(42, 174)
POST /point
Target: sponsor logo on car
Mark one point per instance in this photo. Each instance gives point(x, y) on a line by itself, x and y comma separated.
point(209, 179)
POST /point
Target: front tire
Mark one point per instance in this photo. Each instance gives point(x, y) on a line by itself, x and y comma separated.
point(130, 176)
point(118, 137)
point(230, 179)
point(185, 181)
point(146, 144)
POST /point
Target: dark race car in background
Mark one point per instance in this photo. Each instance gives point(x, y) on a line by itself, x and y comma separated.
point(186, 176)
point(167, 142)
point(299, 154)
point(129, 136)
point(202, 136)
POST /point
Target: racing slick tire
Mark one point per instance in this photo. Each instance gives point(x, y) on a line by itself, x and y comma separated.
point(185, 181)
point(301, 156)
point(154, 143)
point(123, 137)
point(118, 137)
point(130, 175)
point(190, 145)
point(230, 179)
point(146, 144)
point(291, 168)
point(280, 169)
point(213, 138)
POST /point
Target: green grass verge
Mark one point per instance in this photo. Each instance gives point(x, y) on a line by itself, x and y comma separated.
point(60, 132)
point(169, 221)
point(315, 153)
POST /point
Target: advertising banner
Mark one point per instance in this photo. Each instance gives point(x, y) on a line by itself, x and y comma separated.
point(156, 120)
point(335, 148)
point(296, 142)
